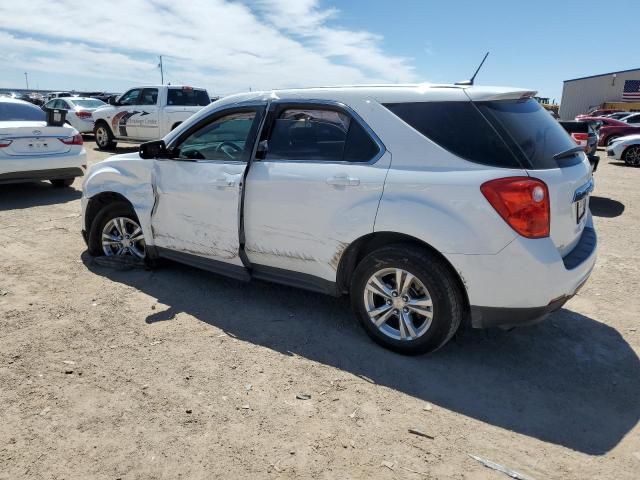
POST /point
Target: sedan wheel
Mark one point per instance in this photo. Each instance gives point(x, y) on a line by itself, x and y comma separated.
point(398, 304)
point(123, 236)
point(632, 156)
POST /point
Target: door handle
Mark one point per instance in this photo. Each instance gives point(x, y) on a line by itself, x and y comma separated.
point(343, 181)
point(224, 182)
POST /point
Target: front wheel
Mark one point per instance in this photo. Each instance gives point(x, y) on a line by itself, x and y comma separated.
point(116, 231)
point(631, 156)
point(407, 299)
point(104, 137)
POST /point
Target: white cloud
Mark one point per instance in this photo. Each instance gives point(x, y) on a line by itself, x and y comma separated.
point(225, 46)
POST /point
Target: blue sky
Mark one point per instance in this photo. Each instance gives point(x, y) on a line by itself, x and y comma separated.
point(229, 46)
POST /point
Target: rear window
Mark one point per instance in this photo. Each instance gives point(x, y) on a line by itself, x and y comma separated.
point(530, 131)
point(188, 97)
point(10, 111)
point(88, 103)
point(459, 128)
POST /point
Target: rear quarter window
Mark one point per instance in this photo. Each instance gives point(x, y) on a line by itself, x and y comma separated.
point(188, 97)
point(460, 128)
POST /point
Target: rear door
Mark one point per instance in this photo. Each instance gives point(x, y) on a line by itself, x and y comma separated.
point(146, 122)
point(536, 138)
point(316, 189)
point(198, 189)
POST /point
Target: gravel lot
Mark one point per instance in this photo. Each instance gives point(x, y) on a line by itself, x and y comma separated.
point(176, 373)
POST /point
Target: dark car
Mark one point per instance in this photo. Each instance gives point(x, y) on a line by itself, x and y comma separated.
point(584, 133)
point(632, 119)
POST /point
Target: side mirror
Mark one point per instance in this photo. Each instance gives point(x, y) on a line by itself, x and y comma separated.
point(113, 100)
point(154, 149)
point(261, 151)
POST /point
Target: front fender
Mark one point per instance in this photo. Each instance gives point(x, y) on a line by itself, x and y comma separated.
point(130, 179)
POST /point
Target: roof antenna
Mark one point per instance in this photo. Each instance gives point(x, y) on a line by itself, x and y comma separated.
point(470, 81)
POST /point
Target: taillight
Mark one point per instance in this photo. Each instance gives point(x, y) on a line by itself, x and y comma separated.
point(580, 138)
point(5, 143)
point(75, 140)
point(522, 202)
point(83, 114)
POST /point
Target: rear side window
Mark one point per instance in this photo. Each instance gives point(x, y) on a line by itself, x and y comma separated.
point(10, 111)
point(530, 131)
point(319, 135)
point(459, 128)
point(188, 97)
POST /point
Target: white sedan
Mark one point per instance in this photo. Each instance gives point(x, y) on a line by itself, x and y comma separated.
point(626, 149)
point(32, 150)
point(79, 111)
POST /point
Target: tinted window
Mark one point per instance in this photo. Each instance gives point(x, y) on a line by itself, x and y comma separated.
point(10, 111)
point(530, 131)
point(459, 128)
point(317, 134)
point(188, 97)
point(149, 96)
point(223, 139)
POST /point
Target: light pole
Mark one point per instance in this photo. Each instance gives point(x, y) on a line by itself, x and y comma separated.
point(26, 79)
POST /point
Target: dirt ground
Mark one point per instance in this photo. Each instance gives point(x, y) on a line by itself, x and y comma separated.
point(176, 373)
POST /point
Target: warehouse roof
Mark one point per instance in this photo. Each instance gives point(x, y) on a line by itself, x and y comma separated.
point(604, 74)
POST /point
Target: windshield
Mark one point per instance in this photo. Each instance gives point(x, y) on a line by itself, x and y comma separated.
point(88, 103)
point(529, 131)
point(10, 111)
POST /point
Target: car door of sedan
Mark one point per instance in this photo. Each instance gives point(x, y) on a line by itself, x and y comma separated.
point(196, 216)
point(317, 189)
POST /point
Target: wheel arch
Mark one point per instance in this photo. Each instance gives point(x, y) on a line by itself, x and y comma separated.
point(98, 202)
point(101, 121)
point(366, 244)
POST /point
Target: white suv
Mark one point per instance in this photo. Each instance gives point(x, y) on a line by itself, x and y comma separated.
point(429, 205)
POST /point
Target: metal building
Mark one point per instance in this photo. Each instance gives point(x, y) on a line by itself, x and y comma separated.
point(579, 95)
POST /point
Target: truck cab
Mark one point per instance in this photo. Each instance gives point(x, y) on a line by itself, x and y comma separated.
point(146, 113)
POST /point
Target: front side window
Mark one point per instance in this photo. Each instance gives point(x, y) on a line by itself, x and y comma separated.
point(226, 138)
point(319, 135)
point(130, 98)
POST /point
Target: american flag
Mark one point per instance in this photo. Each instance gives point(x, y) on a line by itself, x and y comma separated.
point(631, 92)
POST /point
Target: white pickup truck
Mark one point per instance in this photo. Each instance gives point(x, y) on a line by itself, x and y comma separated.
point(146, 113)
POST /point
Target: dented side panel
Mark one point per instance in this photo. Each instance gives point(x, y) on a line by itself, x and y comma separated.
point(197, 208)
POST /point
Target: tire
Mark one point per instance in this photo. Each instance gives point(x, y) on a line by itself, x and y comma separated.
point(440, 288)
point(631, 156)
point(62, 182)
point(104, 137)
point(115, 210)
point(611, 139)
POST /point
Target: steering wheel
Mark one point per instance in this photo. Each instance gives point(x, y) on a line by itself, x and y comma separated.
point(229, 149)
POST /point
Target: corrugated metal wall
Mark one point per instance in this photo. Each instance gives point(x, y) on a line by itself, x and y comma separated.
point(579, 96)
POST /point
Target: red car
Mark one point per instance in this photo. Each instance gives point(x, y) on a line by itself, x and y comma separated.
point(597, 113)
point(612, 129)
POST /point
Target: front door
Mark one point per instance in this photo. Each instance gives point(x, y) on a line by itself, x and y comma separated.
point(317, 189)
point(198, 189)
point(122, 125)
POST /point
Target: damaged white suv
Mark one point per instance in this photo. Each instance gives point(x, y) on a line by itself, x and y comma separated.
point(429, 205)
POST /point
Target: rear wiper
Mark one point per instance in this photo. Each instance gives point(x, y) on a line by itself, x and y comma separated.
point(568, 153)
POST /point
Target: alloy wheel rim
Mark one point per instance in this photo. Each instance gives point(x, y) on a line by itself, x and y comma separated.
point(123, 236)
point(633, 156)
point(398, 304)
point(101, 135)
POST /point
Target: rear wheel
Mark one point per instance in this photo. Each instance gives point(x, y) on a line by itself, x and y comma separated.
point(116, 231)
point(631, 156)
point(406, 299)
point(104, 137)
point(62, 182)
point(611, 139)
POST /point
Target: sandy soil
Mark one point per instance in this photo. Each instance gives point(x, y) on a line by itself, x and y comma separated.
point(178, 373)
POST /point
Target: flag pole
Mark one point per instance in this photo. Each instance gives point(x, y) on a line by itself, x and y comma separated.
point(161, 71)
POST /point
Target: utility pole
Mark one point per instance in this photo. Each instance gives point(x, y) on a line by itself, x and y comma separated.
point(26, 79)
point(161, 71)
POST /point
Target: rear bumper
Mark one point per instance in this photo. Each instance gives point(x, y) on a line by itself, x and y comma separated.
point(526, 281)
point(37, 175)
